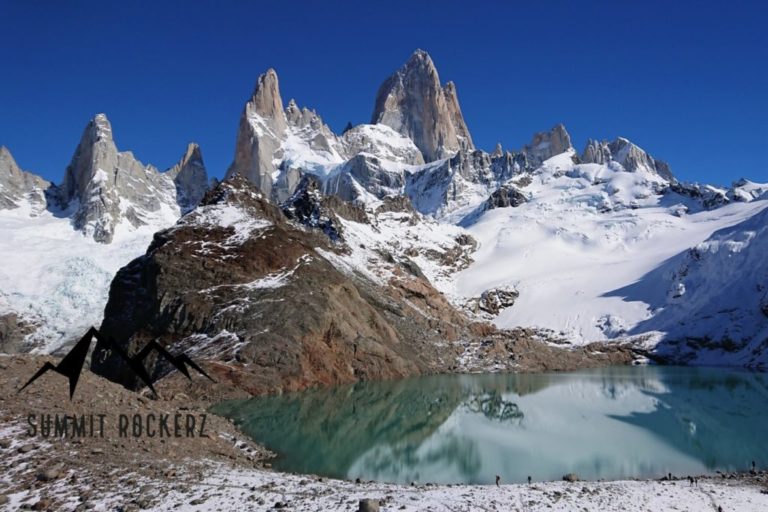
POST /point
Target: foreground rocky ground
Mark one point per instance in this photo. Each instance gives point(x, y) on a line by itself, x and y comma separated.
point(226, 471)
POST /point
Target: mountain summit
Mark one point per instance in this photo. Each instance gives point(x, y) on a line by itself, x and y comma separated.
point(414, 103)
point(104, 187)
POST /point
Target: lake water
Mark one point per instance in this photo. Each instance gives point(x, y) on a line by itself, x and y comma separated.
point(609, 423)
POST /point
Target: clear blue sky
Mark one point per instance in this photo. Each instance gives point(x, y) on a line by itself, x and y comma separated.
point(688, 81)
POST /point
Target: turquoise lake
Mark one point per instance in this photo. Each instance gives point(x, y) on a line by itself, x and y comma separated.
point(608, 423)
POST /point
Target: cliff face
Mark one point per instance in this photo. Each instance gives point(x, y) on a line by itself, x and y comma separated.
point(104, 187)
point(414, 103)
point(18, 186)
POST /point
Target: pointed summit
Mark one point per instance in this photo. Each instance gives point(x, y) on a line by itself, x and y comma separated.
point(266, 101)
point(104, 187)
point(190, 177)
point(413, 103)
point(262, 154)
point(96, 151)
point(262, 126)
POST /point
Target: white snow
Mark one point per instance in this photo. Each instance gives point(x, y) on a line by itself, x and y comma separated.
point(587, 231)
point(57, 277)
point(235, 487)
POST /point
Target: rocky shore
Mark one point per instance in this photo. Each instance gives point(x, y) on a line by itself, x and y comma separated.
point(223, 470)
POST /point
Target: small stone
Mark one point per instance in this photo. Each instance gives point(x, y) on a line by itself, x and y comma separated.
point(368, 505)
point(49, 474)
point(5, 443)
point(43, 504)
point(571, 477)
point(97, 451)
point(26, 448)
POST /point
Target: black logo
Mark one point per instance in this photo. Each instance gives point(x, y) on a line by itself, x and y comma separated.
point(72, 364)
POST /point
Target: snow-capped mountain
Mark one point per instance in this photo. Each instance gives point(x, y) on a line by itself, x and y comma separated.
point(583, 246)
point(61, 245)
point(557, 229)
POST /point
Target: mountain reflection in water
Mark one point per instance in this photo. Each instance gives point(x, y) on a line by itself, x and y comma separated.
point(606, 423)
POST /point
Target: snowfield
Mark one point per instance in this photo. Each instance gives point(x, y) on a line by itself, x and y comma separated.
point(58, 278)
point(226, 488)
point(587, 232)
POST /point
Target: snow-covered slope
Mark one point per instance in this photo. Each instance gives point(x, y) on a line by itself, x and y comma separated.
point(60, 246)
point(56, 279)
point(586, 231)
point(711, 301)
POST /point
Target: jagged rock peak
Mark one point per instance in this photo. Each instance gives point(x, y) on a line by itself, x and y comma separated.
point(266, 100)
point(96, 151)
point(631, 157)
point(413, 103)
point(101, 126)
point(190, 177)
point(104, 188)
point(596, 152)
point(547, 144)
point(17, 185)
point(8, 165)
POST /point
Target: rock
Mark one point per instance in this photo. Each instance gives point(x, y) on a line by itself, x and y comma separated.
point(43, 504)
point(631, 157)
point(506, 196)
point(190, 177)
point(280, 504)
point(368, 505)
point(492, 301)
point(413, 102)
point(5, 443)
point(49, 474)
point(97, 451)
point(596, 152)
point(17, 186)
point(545, 145)
point(571, 477)
point(3, 499)
point(26, 448)
point(351, 327)
point(109, 187)
point(264, 126)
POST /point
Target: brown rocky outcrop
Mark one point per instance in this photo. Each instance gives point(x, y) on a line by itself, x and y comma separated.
point(236, 282)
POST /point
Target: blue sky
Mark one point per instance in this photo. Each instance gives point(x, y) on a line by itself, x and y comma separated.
point(685, 80)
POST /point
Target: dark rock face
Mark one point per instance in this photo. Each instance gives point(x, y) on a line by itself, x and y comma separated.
point(190, 177)
point(235, 282)
point(506, 196)
point(309, 207)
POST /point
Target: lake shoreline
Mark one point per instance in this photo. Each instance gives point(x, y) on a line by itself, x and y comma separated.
point(228, 469)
